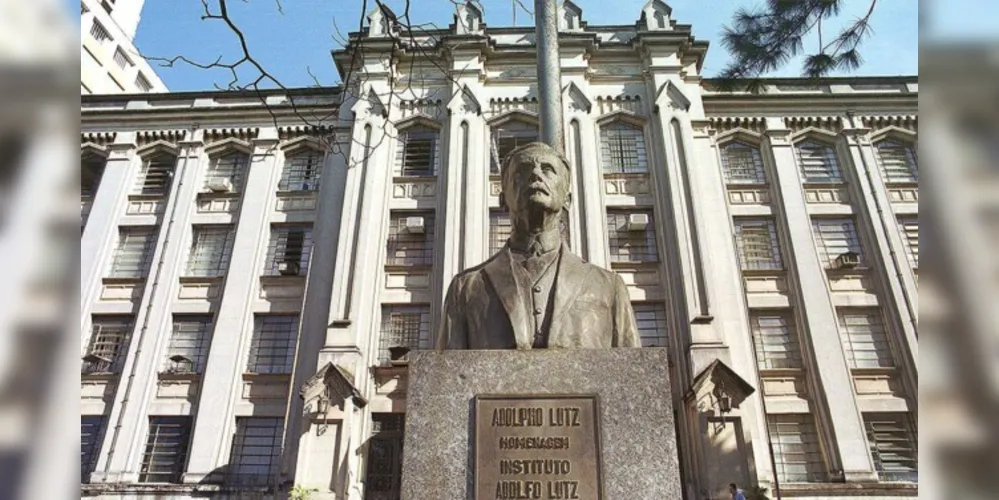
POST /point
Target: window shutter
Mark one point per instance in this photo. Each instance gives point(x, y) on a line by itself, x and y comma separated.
point(864, 339)
point(818, 163)
point(623, 149)
point(134, 254)
point(156, 176)
point(777, 345)
point(742, 164)
point(898, 162)
point(757, 242)
point(835, 237)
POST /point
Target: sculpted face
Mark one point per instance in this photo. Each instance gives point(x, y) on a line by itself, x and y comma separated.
point(535, 180)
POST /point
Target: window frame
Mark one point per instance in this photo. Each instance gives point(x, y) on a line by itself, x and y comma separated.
point(159, 427)
point(784, 335)
point(759, 177)
point(302, 176)
point(110, 344)
point(517, 131)
point(806, 437)
point(851, 240)
point(855, 340)
point(749, 262)
point(192, 344)
point(834, 170)
point(890, 175)
point(614, 159)
point(90, 449)
point(421, 245)
point(122, 265)
point(155, 179)
point(273, 344)
point(236, 167)
point(414, 340)
point(414, 134)
point(251, 433)
point(211, 260)
point(278, 249)
point(906, 432)
point(617, 256)
point(658, 320)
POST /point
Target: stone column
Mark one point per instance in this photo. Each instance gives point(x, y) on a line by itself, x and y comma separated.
point(843, 421)
point(215, 421)
point(127, 422)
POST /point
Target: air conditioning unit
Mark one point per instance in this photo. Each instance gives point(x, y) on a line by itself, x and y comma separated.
point(413, 225)
point(219, 185)
point(180, 364)
point(288, 268)
point(638, 222)
point(847, 260)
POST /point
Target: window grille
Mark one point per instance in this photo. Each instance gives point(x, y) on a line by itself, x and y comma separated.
point(742, 164)
point(404, 326)
point(898, 162)
point(622, 148)
point(631, 246)
point(189, 343)
point(92, 169)
point(418, 152)
point(302, 172)
point(231, 167)
point(108, 344)
point(211, 251)
point(499, 230)
point(835, 237)
point(272, 349)
point(506, 138)
point(894, 447)
point(142, 83)
point(121, 59)
point(256, 451)
point(91, 435)
point(383, 479)
point(776, 341)
point(134, 254)
point(796, 449)
point(651, 320)
point(864, 339)
point(289, 251)
point(99, 32)
point(818, 163)
point(910, 232)
point(407, 246)
point(757, 243)
point(156, 176)
point(166, 450)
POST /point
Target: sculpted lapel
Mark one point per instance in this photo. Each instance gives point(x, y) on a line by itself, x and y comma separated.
point(505, 285)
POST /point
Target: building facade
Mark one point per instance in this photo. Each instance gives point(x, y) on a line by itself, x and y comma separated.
point(109, 60)
point(247, 257)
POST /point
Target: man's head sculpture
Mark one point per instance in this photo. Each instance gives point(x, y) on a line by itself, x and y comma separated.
point(536, 181)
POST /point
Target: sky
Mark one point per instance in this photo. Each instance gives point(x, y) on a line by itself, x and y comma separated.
point(298, 42)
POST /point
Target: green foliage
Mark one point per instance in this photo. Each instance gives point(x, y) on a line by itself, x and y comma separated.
point(756, 493)
point(300, 492)
point(764, 39)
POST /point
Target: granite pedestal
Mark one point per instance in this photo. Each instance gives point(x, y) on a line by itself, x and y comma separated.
point(634, 437)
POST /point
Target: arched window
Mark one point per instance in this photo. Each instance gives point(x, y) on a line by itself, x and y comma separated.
point(156, 176)
point(817, 162)
point(622, 149)
point(898, 161)
point(418, 152)
point(302, 171)
point(742, 164)
point(506, 138)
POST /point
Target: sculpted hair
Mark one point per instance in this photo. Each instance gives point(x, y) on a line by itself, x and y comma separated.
point(529, 147)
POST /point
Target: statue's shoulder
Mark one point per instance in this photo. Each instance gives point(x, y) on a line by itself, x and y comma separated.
point(472, 273)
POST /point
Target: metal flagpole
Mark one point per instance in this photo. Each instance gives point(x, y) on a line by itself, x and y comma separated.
point(549, 74)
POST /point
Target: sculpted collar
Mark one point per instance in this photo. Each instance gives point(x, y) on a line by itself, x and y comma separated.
point(536, 244)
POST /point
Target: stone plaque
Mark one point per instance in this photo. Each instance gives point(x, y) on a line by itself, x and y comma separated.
point(543, 447)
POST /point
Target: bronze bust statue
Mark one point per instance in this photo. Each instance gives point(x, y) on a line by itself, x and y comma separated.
point(534, 293)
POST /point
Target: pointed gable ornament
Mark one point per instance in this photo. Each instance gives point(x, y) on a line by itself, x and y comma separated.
point(727, 390)
point(330, 386)
point(464, 101)
point(381, 21)
point(656, 16)
point(468, 18)
point(570, 17)
point(672, 97)
point(577, 98)
point(370, 104)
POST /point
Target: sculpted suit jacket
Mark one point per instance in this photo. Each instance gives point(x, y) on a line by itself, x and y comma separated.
point(484, 308)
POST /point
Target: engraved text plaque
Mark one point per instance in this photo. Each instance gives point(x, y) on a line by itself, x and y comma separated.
point(540, 447)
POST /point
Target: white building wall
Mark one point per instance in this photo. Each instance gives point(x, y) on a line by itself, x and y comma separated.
point(101, 73)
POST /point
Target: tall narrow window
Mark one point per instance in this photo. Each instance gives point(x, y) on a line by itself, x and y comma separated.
point(272, 349)
point(302, 172)
point(499, 230)
point(211, 251)
point(910, 232)
point(410, 239)
point(796, 449)
point(227, 173)
point(418, 152)
point(864, 339)
point(834, 238)
point(156, 176)
point(189, 343)
point(134, 254)
point(776, 341)
point(650, 318)
point(256, 451)
point(121, 59)
point(742, 164)
point(897, 161)
point(91, 433)
point(403, 326)
point(818, 162)
point(757, 243)
point(289, 251)
point(632, 237)
point(622, 148)
point(894, 447)
point(91, 171)
point(108, 343)
point(99, 32)
point(384, 474)
point(506, 138)
point(166, 449)
point(142, 83)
